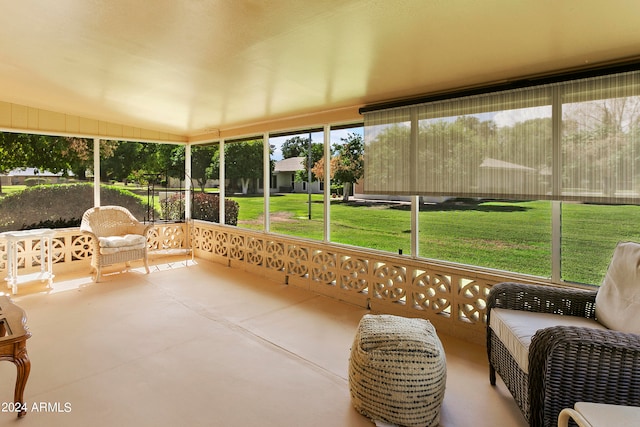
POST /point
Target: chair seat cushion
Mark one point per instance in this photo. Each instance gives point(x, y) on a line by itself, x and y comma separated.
point(114, 244)
point(515, 328)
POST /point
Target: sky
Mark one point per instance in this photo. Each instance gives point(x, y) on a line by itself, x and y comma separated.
point(316, 137)
point(510, 117)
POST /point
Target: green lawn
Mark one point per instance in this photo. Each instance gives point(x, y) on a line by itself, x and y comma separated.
point(8, 189)
point(590, 233)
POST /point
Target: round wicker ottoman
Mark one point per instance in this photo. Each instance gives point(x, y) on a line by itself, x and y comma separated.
point(397, 370)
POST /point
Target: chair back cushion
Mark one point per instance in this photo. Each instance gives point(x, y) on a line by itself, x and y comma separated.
point(109, 221)
point(618, 299)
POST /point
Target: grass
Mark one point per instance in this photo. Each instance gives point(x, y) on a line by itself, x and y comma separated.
point(383, 227)
point(505, 236)
point(289, 214)
point(590, 233)
point(8, 189)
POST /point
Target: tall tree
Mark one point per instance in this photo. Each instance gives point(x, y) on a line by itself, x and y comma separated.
point(79, 152)
point(294, 147)
point(202, 158)
point(243, 162)
point(171, 157)
point(298, 146)
point(317, 152)
point(350, 162)
point(125, 161)
point(11, 154)
point(347, 163)
point(51, 153)
point(602, 134)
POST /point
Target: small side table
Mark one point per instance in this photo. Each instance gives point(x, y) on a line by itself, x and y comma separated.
point(13, 347)
point(45, 235)
point(600, 415)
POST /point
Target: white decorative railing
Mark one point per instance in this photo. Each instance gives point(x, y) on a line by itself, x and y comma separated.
point(72, 249)
point(69, 247)
point(452, 297)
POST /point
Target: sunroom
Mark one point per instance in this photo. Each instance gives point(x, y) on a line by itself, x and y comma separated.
point(520, 118)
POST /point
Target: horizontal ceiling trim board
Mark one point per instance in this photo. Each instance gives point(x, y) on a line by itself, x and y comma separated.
point(288, 125)
point(22, 119)
point(348, 126)
point(246, 139)
point(340, 126)
point(296, 132)
point(626, 65)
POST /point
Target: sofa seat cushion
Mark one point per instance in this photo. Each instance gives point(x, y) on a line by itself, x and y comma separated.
point(114, 244)
point(515, 328)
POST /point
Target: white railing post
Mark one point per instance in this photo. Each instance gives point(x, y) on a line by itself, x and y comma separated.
point(327, 183)
point(96, 172)
point(221, 186)
point(187, 182)
point(266, 185)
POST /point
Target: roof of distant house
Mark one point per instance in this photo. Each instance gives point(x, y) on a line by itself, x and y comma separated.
point(35, 172)
point(292, 164)
point(490, 163)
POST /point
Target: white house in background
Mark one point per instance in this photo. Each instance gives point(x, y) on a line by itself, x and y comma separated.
point(490, 172)
point(20, 175)
point(498, 175)
point(358, 193)
point(283, 178)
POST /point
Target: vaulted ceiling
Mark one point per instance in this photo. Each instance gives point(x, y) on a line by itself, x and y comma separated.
point(198, 69)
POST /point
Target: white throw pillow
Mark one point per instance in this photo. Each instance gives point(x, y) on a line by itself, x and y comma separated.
point(618, 299)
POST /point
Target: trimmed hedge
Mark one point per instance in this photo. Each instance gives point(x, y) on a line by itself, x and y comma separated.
point(204, 206)
point(61, 206)
point(32, 182)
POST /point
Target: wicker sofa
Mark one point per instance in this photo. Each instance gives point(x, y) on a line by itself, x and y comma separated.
point(116, 236)
point(554, 346)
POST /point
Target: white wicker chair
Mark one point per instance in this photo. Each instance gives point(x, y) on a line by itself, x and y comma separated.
point(116, 236)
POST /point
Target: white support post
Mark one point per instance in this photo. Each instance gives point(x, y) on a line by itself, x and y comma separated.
point(96, 172)
point(221, 186)
point(415, 226)
point(556, 243)
point(327, 183)
point(266, 157)
point(187, 182)
point(415, 200)
point(556, 205)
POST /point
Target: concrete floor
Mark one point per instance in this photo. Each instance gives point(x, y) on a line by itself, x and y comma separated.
point(206, 345)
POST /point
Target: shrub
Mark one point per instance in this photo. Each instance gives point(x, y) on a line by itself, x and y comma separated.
point(60, 206)
point(32, 182)
point(337, 189)
point(204, 206)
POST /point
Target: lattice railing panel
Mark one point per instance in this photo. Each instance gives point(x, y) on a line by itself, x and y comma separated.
point(72, 249)
point(274, 256)
point(167, 237)
point(431, 291)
